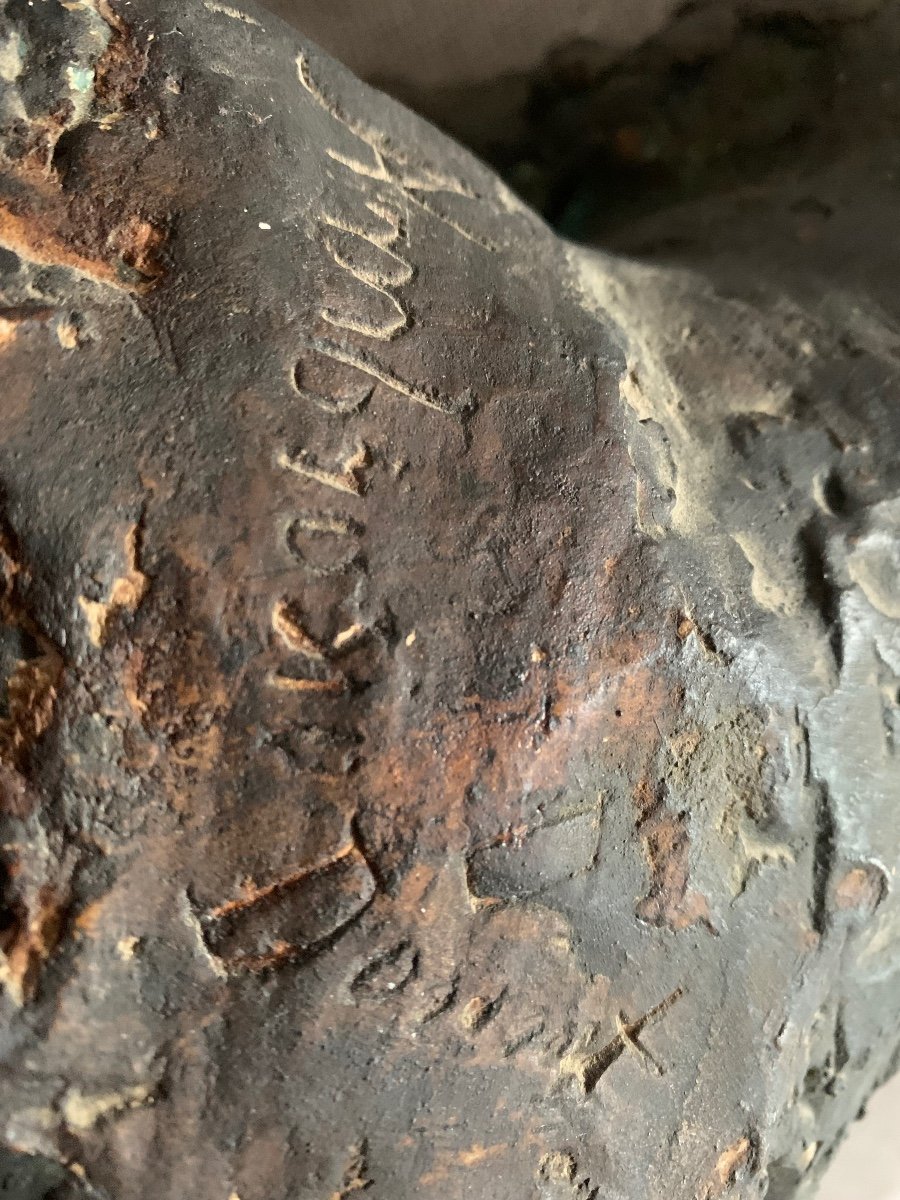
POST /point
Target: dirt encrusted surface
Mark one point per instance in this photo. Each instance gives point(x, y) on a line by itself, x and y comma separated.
point(448, 734)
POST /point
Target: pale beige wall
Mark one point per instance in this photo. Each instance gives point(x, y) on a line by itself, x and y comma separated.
point(438, 43)
point(867, 1166)
point(442, 43)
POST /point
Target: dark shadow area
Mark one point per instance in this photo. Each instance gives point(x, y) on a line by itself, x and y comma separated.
point(36, 1177)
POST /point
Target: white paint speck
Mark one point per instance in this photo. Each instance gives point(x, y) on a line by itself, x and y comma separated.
point(264, 225)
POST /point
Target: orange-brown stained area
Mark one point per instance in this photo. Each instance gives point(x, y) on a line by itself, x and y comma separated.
point(735, 1162)
point(69, 195)
point(862, 887)
point(45, 231)
point(35, 666)
point(476, 770)
point(32, 902)
point(33, 927)
point(665, 837)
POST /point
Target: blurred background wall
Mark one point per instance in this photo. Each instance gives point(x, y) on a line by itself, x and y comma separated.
point(442, 43)
point(867, 1165)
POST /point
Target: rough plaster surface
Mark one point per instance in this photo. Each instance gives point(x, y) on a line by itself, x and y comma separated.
point(451, 715)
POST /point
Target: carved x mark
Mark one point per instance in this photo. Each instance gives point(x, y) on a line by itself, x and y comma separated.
point(590, 1067)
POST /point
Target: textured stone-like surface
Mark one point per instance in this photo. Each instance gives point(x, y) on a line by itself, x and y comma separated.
point(451, 678)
